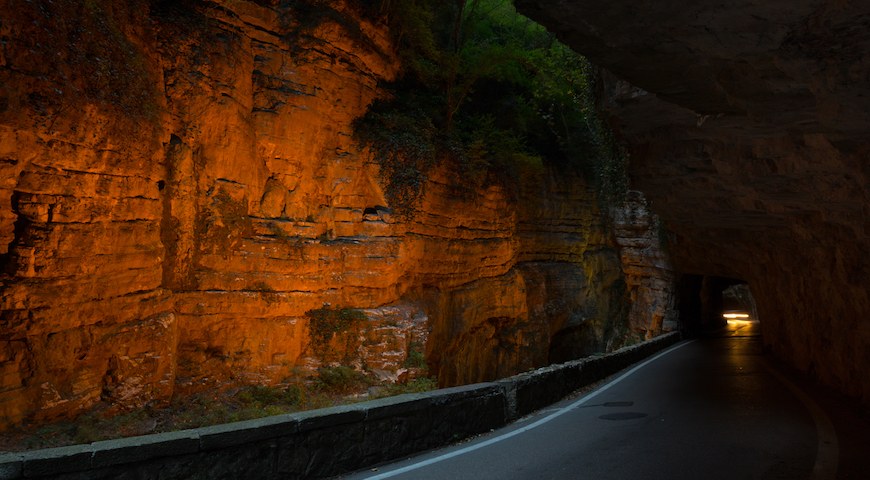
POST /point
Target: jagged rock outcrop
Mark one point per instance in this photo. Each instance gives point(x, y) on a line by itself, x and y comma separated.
point(642, 241)
point(748, 130)
point(180, 191)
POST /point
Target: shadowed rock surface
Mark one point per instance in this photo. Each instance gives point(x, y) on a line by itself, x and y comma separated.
point(748, 129)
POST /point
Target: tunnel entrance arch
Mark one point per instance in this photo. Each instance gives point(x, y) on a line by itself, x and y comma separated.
point(704, 299)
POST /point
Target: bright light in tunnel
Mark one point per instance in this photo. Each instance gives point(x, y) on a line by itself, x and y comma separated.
point(737, 318)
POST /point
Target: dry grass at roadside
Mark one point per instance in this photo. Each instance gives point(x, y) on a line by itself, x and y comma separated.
point(332, 386)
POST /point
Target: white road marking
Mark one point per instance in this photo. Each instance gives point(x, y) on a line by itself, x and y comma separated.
point(505, 436)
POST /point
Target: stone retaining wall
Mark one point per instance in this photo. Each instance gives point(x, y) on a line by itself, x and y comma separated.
point(324, 442)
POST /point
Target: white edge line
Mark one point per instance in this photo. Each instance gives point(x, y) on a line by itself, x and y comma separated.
point(828, 447)
point(558, 413)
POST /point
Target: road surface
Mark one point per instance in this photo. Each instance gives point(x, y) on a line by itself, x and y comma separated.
point(710, 408)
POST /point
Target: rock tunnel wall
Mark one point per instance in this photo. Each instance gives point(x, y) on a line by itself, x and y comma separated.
point(748, 129)
point(179, 187)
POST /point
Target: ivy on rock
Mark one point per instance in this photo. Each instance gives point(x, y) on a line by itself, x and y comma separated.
point(491, 92)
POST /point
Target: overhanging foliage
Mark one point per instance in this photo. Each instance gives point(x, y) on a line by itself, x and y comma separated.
point(489, 90)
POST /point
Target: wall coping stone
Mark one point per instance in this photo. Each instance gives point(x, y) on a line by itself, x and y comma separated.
point(144, 447)
point(520, 394)
point(11, 465)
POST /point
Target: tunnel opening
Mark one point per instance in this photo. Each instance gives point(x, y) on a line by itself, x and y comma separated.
point(710, 303)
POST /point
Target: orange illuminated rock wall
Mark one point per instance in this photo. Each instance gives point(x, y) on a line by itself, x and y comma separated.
point(180, 186)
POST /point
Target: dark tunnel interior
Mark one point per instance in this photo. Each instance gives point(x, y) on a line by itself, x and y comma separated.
point(704, 301)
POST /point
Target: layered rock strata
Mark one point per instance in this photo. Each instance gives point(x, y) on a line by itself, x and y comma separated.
point(643, 242)
point(180, 192)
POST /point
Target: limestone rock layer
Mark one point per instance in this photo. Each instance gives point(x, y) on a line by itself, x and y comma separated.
point(179, 190)
point(748, 129)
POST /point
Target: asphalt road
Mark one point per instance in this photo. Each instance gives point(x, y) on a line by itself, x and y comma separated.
point(710, 408)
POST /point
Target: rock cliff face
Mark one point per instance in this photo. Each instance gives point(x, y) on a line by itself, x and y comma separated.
point(748, 129)
point(180, 192)
point(642, 241)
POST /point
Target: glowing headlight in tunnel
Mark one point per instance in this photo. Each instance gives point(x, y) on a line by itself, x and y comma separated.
point(735, 315)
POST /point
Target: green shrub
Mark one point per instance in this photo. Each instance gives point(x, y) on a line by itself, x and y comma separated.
point(415, 358)
point(341, 380)
point(405, 145)
point(325, 323)
point(259, 395)
point(417, 385)
point(489, 91)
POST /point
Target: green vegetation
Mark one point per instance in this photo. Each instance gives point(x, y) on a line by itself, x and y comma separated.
point(341, 380)
point(489, 91)
point(415, 358)
point(326, 322)
point(417, 385)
